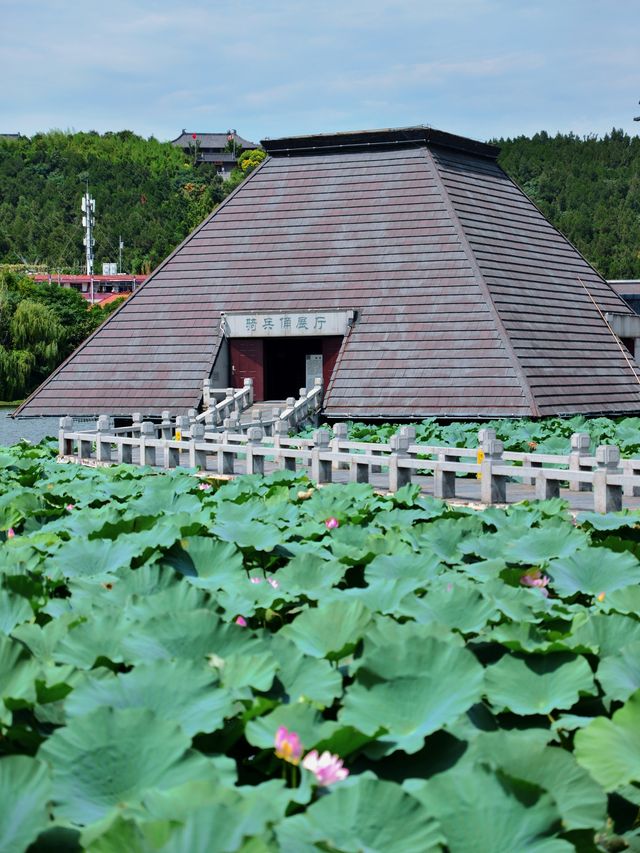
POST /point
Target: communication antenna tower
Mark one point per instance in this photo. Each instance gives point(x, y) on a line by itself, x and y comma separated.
point(88, 221)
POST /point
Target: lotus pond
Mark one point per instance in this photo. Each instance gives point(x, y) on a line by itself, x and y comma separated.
point(263, 666)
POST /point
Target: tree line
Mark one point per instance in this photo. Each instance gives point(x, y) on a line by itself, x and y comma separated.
point(147, 192)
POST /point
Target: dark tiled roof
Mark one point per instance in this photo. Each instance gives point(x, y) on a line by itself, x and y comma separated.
point(468, 301)
point(211, 140)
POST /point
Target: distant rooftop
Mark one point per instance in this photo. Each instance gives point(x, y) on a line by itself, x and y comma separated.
point(211, 140)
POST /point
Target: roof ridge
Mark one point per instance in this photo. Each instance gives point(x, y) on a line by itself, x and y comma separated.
point(527, 393)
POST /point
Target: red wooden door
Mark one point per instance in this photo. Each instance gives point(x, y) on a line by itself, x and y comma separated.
point(330, 349)
point(247, 362)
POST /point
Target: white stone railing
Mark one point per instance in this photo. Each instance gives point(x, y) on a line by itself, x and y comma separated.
point(401, 460)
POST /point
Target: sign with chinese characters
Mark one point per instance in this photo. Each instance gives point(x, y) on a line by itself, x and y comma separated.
point(263, 324)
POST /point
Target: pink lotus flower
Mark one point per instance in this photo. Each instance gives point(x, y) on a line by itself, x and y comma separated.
point(255, 580)
point(537, 579)
point(10, 533)
point(327, 768)
point(331, 523)
point(69, 507)
point(273, 582)
point(288, 746)
point(241, 621)
point(204, 487)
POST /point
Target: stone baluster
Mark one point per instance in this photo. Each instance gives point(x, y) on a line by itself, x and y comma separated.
point(206, 393)
point(136, 420)
point(166, 427)
point(255, 461)
point(340, 433)
point(398, 477)
point(580, 444)
point(65, 445)
point(606, 497)
point(197, 457)
point(320, 468)
point(444, 482)
point(287, 463)
point(103, 448)
point(493, 487)
point(147, 451)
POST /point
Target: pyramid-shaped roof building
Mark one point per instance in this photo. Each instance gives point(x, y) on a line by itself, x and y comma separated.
point(405, 261)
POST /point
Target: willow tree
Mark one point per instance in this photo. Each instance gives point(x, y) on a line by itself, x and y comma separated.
point(35, 335)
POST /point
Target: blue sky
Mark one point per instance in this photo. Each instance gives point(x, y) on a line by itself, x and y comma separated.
point(481, 68)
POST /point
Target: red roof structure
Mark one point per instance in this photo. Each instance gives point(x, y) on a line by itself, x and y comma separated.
point(466, 301)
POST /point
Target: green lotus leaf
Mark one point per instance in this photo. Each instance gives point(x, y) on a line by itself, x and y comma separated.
point(331, 633)
point(248, 534)
point(541, 544)
point(216, 818)
point(25, 789)
point(625, 600)
point(411, 690)
point(86, 557)
point(245, 669)
point(604, 633)
point(109, 759)
point(101, 635)
point(194, 701)
point(14, 610)
point(18, 673)
point(205, 562)
point(459, 605)
point(619, 675)
point(443, 537)
point(174, 601)
point(608, 521)
point(594, 571)
point(360, 814)
point(17, 505)
point(41, 640)
point(303, 677)
point(122, 834)
point(538, 684)
point(480, 809)
point(310, 575)
point(300, 718)
point(581, 801)
point(421, 568)
point(194, 636)
point(610, 749)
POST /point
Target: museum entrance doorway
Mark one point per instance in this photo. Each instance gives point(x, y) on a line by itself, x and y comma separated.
point(279, 367)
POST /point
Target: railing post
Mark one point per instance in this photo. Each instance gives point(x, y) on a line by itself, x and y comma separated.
point(580, 444)
point(627, 468)
point(147, 452)
point(398, 477)
point(340, 432)
point(444, 482)
point(183, 425)
point(124, 451)
point(65, 445)
point(359, 471)
point(84, 448)
point(320, 468)
point(255, 461)
point(191, 416)
point(546, 488)
point(530, 462)
point(493, 488)
point(606, 498)
point(376, 469)
point(197, 458)
point(166, 430)
point(226, 459)
point(103, 448)
point(281, 430)
point(248, 387)
point(206, 393)
point(136, 420)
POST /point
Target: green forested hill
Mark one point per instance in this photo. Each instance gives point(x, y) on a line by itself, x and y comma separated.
point(149, 193)
point(145, 191)
point(589, 188)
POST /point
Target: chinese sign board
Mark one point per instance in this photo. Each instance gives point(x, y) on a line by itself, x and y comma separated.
point(262, 324)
